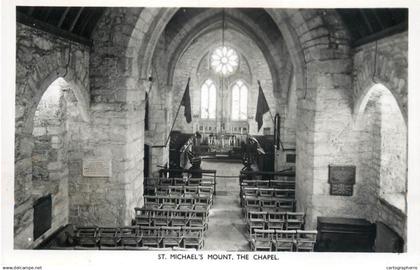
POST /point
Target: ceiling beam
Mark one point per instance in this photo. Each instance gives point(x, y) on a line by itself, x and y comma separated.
point(63, 16)
point(378, 20)
point(73, 24)
point(32, 22)
point(381, 34)
point(367, 22)
point(85, 22)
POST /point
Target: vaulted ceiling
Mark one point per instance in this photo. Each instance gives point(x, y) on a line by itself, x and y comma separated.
point(77, 23)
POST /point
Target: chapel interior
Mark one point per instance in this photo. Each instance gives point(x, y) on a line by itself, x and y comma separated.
point(232, 129)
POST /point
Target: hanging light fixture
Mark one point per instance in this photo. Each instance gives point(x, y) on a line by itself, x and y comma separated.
point(223, 61)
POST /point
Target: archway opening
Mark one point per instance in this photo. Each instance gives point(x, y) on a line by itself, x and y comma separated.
point(55, 143)
point(387, 133)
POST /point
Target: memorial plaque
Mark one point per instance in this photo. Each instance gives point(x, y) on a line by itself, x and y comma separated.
point(290, 158)
point(96, 168)
point(341, 179)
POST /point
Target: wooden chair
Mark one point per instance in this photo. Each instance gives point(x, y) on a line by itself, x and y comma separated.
point(268, 204)
point(204, 206)
point(209, 182)
point(152, 205)
point(284, 240)
point(108, 236)
point(266, 192)
point(130, 236)
point(198, 218)
point(194, 182)
point(282, 184)
point(263, 183)
point(161, 217)
point(276, 220)
point(193, 237)
point(150, 184)
point(151, 236)
point(179, 182)
point(249, 183)
point(171, 237)
point(180, 218)
point(305, 240)
point(162, 191)
point(284, 193)
point(205, 190)
point(86, 236)
point(256, 221)
point(250, 191)
point(142, 217)
point(262, 240)
point(190, 191)
point(285, 205)
point(205, 195)
point(294, 220)
point(166, 182)
point(186, 206)
point(176, 191)
point(170, 205)
point(252, 204)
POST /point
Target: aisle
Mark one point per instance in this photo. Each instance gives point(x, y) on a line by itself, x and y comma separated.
point(227, 229)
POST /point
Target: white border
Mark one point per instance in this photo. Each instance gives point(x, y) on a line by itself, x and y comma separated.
point(142, 260)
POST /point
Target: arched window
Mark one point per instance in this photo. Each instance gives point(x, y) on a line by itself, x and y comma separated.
point(239, 101)
point(208, 100)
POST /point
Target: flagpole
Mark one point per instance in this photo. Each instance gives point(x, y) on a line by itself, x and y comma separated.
point(176, 116)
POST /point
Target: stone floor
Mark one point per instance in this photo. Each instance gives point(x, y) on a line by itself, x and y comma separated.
point(227, 229)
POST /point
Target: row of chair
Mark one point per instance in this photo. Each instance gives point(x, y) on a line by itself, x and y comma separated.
point(266, 192)
point(134, 237)
point(155, 181)
point(282, 240)
point(268, 204)
point(172, 217)
point(184, 190)
point(178, 202)
point(275, 220)
point(288, 182)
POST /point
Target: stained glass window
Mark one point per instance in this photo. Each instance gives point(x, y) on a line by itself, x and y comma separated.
point(224, 60)
point(208, 100)
point(239, 101)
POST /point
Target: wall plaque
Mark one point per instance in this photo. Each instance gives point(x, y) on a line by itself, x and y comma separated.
point(341, 179)
point(96, 168)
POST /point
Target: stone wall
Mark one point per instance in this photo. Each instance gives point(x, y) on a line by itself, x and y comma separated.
point(41, 58)
point(120, 62)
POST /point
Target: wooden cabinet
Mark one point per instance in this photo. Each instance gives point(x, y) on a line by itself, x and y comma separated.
point(345, 235)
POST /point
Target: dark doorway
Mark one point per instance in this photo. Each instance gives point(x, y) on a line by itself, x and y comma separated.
point(42, 215)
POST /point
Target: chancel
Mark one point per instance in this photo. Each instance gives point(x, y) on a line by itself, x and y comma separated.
point(230, 129)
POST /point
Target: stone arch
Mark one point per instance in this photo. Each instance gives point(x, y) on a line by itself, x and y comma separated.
point(365, 95)
point(390, 70)
point(382, 138)
point(136, 31)
point(235, 20)
point(72, 83)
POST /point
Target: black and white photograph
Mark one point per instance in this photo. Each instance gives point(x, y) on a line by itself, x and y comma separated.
point(225, 133)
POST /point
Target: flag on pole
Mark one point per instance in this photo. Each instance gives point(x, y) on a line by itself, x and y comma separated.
point(186, 102)
point(262, 107)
